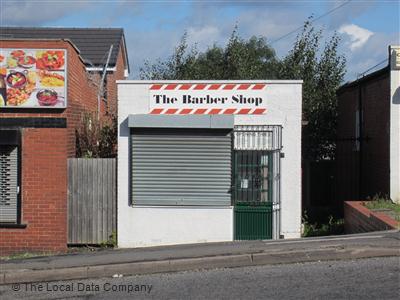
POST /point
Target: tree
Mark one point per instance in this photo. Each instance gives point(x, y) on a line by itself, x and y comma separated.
point(96, 139)
point(239, 59)
point(322, 69)
point(319, 65)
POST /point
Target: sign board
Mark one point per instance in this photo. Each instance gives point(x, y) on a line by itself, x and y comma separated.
point(33, 78)
point(208, 98)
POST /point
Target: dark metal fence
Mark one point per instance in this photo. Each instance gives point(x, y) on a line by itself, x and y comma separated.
point(328, 183)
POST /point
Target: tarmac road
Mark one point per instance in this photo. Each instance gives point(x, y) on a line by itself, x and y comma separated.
point(371, 278)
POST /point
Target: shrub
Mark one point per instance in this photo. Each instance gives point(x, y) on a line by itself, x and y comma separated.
point(95, 139)
point(333, 227)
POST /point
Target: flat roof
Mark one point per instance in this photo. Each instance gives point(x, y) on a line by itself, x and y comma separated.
point(368, 77)
point(209, 81)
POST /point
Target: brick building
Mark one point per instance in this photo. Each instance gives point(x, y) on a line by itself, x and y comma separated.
point(368, 145)
point(35, 139)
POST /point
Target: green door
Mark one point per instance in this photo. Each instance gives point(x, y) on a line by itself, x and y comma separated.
point(252, 194)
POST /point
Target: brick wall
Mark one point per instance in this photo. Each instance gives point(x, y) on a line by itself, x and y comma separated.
point(44, 192)
point(374, 179)
point(44, 157)
point(82, 91)
point(81, 95)
point(358, 219)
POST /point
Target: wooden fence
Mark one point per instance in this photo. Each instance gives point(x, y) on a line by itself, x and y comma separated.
point(92, 200)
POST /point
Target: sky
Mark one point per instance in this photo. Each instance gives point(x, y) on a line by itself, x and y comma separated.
point(153, 28)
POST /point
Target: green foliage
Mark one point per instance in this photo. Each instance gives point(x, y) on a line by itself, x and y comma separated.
point(95, 139)
point(318, 64)
point(322, 69)
point(111, 242)
point(240, 59)
point(379, 202)
point(332, 227)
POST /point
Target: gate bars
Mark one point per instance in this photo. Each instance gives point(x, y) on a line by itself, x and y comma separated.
point(268, 139)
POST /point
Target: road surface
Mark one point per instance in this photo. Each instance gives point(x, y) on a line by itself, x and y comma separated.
point(372, 278)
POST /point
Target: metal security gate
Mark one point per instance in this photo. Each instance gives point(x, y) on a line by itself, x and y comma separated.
point(256, 181)
point(8, 183)
point(181, 167)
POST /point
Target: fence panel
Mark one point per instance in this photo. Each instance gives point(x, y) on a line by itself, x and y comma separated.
point(92, 200)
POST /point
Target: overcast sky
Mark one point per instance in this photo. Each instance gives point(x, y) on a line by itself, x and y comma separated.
point(153, 28)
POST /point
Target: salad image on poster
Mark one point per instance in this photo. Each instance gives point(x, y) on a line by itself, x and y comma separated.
point(32, 78)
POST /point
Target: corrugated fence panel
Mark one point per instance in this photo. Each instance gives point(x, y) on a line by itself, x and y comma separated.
point(92, 200)
point(185, 168)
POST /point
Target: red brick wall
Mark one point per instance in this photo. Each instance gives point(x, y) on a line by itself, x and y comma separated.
point(81, 96)
point(44, 192)
point(44, 157)
point(82, 92)
point(375, 148)
point(358, 219)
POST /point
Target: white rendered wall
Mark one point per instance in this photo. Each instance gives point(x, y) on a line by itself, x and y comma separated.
point(284, 108)
point(394, 127)
point(140, 226)
point(153, 226)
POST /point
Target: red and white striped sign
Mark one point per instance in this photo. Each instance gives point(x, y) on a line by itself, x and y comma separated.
point(204, 98)
point(203, 86)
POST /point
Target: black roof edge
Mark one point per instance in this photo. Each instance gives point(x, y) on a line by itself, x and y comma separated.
point(373, 75)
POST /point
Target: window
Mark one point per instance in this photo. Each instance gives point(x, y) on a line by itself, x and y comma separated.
point(257, 153)
point(8, 183)
point(9, 176)
point(252, 176)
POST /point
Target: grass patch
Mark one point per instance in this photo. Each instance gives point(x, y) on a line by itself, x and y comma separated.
point(378, 203)
point(111, 242)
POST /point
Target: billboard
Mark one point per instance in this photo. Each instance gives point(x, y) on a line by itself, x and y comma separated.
point(208, 98)
point(33, 78)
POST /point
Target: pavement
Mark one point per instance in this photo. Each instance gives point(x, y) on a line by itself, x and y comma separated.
point(138, 261)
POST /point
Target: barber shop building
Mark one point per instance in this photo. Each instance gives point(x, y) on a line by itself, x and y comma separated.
point(208, 161)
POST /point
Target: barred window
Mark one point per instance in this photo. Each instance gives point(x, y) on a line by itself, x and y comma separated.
point(8, 183)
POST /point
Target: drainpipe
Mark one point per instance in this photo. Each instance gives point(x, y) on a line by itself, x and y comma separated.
point(103, 77)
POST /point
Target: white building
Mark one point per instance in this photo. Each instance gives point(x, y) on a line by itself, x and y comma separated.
point(208, 161)
point(394, 62)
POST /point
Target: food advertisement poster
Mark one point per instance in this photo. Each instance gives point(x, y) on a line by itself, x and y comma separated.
point(33, 78)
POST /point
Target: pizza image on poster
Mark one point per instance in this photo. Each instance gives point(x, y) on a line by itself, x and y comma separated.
point(32, 78)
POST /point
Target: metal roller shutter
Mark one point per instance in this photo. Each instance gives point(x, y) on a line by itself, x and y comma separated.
point(8, 183)
point(185, 167)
